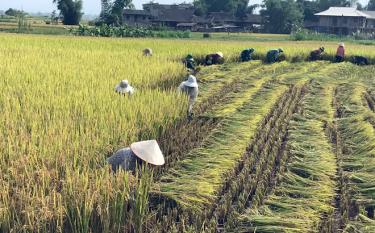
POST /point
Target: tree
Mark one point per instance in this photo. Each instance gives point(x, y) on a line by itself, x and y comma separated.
point(310, 8)
point(238, 7)
point(14, 12)
point(112, 11)
point(281, 16)
point(325, 4)
point(371, 5)
point(70, 10)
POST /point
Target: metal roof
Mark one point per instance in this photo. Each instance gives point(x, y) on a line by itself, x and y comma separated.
point(371, 14)
point(343, 11)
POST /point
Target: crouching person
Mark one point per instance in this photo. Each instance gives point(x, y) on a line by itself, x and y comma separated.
point(360, 60)
point(246, 54)
point(340, 53)
point(147, 52)
point(124, 88)
point(138, 153)
point(190, 62)
point(190, 88)
point(214, 59)
point(273, 55)
point(316, 54)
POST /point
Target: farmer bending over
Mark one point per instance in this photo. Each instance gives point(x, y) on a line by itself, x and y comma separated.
point(147, 52)
point(190, 87)
point(316, 54)
point(214, 58)
point(360, 60)
point(124, 88)
point(273, 55)
point(340, 53)
point(246, 54)
point(190, 62)
point(137, 153)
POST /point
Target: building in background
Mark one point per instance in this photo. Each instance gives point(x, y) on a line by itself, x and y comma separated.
point(181, 16)
point(344, 21)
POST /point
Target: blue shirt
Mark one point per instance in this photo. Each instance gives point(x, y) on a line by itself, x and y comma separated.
point(124, 158)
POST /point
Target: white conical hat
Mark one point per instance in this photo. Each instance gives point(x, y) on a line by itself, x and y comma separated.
point(342, 44)
point(191, 82)
point(220, 54)
point(148, 151)
point(124, 87)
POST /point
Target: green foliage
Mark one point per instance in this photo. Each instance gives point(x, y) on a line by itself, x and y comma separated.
point(71, 11)
point(281, 16)
point(126, 31)
point(14, 12)
point(371, 5)
point(111, 13)
point(238, 7)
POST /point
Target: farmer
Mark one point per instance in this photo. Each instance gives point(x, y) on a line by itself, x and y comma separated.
point(190, 62)
point(214, 58)
point(137, 153)
point(147, 52)
point(316, 54)
point(340, 54)
point(273, 55)
point(190, 87)
point(246, 54)
point(360, 60)
point(124, 88)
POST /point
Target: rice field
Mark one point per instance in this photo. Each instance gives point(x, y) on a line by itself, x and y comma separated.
point(287, 147)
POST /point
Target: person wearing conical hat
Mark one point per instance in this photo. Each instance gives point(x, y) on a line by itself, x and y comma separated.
point(124, 88)
point(138, 153)
point(214, 58)
point(273, 55)
point(147, 52)
point(190, 62)
point(316, 54)
point(340, 53)
point(190, 88)
point(246, 54)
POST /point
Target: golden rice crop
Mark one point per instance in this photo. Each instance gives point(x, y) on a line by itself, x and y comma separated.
point(60, 119)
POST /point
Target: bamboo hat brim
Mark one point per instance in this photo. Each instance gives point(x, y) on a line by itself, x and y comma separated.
point(148, 151)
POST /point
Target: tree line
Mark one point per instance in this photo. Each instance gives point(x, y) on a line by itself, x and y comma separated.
point(280, 16)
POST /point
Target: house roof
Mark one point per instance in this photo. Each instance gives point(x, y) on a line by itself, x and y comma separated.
point(342, 11)
point(371, 14)
point(135, 12)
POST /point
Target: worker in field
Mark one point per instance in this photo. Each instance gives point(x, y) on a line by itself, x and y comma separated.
point(246, 54)
point(190, 62)
point(214, 58)
point(340, 53)
point(316, 54)
point(360, 60)
point(138, 153)
point(190, 87)
point(273, 55)
point(147, 52)
point(124, 88)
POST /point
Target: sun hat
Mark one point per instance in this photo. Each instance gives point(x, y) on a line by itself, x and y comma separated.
point(189, 57)
point(147, 51)
point(280, 50)
point(148, 151)
point(220, 54)
point(191, 82)
point(322, 49)
point(341, 44)
point(124, 87)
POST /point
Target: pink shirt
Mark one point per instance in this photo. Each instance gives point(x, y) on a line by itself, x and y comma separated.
point(340, 51)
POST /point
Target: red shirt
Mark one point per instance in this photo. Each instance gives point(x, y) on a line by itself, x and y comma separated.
point(340, 51)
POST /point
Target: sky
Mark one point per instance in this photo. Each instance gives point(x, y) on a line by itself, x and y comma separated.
point(89, 6)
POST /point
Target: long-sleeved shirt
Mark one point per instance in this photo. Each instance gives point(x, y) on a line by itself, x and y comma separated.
point(340, 51)
point(124, 158)
point(192, 92)
point(272, 55)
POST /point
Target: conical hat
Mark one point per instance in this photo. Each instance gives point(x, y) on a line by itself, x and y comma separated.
point(220, 54)
point(148, 151)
